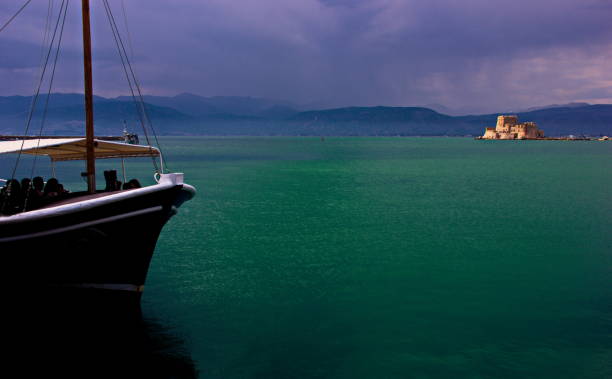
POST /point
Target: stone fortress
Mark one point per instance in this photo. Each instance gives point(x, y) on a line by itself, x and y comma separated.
point(508, 127)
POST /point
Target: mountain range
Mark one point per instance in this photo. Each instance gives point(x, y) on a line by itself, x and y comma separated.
point(188, 114)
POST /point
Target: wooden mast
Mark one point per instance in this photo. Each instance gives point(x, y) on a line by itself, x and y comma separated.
point(89, 122)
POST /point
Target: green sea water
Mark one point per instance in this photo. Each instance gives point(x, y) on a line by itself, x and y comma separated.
point(389, 257)
point(385, 258)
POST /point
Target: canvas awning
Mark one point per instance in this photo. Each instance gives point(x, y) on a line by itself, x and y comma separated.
point(66, 149)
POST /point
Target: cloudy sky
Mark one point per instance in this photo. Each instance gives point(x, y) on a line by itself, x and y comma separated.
point(476, 55)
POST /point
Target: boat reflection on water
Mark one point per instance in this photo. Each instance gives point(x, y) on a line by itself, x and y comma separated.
point(97, 336)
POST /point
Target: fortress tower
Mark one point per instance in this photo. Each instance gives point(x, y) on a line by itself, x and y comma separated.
point(508, 127)
point(505, 123)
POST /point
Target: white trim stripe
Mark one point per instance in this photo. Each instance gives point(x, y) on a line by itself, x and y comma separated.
point(83, 225)
point(82, 205)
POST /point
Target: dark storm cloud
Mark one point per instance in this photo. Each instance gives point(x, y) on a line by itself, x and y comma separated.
point(477, 54)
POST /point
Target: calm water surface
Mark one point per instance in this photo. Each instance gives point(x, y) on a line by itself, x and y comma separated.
point(387, 257)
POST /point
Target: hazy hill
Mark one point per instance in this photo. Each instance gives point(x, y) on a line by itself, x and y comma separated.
point(588, 120)
point(568, 105)
point(376, 121)
point(185, 103)
point(221, 106)
point(17, 105)
point(373, 115)
point(66, 114)
point(195, 115)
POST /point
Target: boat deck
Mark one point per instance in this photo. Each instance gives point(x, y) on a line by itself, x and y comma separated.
point(80, 196)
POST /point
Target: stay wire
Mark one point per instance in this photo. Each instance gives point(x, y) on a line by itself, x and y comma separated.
point(34, 102)
point(123, 59)
point(43, 46)
point(142, 102)
point(46, 108)
point(51, 79)
point(127, 29)
point(125, 70)
point(40, 82)
point(127, 76)
point(14, 16)
point(46, 33)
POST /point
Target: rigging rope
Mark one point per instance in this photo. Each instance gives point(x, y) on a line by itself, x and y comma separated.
point(46, 33)
point(57, 51)
point(121, 48)
point(40, 82)
point(127, 29)
point(45, 109)
point(123, 59)
point(15, 15)
point(136, 83)
point(35, 100)
point(43, 47)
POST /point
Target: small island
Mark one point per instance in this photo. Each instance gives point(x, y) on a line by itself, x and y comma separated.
point(508, 127)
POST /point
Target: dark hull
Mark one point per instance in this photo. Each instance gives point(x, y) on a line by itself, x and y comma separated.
point(107, 246)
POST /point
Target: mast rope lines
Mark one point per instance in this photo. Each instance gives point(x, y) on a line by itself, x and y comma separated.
point(133, 82)
point(14, 16)
point(46, 107)
point(60, 18)
point(63, 9)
